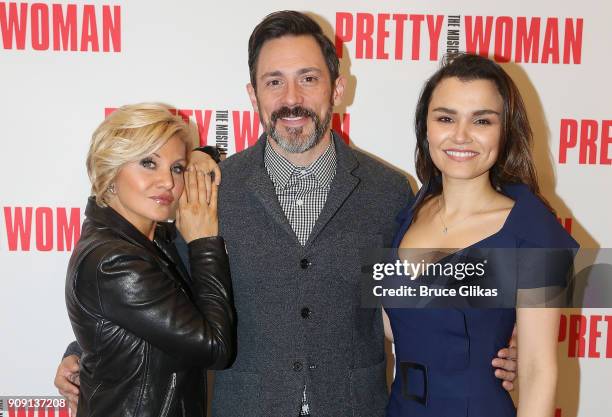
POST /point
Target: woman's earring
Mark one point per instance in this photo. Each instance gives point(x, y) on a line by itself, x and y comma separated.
point(111, 188)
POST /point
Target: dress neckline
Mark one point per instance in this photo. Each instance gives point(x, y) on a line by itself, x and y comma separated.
point(486, 238)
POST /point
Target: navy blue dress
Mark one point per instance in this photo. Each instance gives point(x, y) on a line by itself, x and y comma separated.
point(443, 356)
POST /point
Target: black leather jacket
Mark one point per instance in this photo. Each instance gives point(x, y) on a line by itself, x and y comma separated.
point(148, 331)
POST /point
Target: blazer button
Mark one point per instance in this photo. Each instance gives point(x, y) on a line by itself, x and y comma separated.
point(304, 263)
point(297, 366)
point(306, 313)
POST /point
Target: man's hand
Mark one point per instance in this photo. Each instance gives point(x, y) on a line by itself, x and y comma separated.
point(67, 381)
point(506, 362)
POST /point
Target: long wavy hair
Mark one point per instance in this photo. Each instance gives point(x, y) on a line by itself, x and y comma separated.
point(515, 160)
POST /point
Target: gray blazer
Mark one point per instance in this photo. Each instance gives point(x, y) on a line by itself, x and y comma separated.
point(298, 307)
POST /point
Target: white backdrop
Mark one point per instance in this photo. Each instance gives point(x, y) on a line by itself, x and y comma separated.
point(62, 64)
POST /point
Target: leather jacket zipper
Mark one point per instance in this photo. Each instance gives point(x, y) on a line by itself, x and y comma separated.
point(169, 395)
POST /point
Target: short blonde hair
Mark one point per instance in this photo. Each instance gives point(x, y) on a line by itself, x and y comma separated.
point(128, 134)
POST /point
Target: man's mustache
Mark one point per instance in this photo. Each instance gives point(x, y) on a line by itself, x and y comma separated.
point(297, 111)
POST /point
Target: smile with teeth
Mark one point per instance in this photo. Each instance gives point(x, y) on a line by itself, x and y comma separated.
point(461, 154)
point(292, 119)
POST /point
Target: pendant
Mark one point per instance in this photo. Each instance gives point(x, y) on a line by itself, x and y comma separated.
point(445, 230)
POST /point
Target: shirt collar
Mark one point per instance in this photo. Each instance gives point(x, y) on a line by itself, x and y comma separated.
point(281, 170)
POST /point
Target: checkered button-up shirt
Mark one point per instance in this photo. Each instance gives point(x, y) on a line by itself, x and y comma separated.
point(301, 192)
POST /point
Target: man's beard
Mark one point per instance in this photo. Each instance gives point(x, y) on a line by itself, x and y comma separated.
point(295, 141)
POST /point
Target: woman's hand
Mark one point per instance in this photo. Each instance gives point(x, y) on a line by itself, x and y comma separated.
point(506, 363)
point(201, 161)
point(197, 212)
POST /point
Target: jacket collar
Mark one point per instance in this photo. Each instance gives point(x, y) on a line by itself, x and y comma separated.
point(109, 218)
point(344, 155)
point(343, 184)
point(281, 170)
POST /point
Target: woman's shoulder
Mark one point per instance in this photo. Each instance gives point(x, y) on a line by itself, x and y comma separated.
point(99, 245)
point(533, 223)
point(407, 213)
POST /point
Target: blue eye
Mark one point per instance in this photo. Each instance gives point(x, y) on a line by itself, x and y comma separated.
point(148, 163)
point(178, 169)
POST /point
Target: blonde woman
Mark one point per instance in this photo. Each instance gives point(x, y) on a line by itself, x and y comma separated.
point(148, 328)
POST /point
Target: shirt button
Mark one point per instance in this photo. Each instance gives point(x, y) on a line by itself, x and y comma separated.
point(304, 263)
point(303, 172)
point(297, 366)
point(299, 202)
point(306, 313)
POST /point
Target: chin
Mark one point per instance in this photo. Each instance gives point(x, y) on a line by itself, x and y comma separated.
point(161, 215)
point(462, 174)
point(298, 139)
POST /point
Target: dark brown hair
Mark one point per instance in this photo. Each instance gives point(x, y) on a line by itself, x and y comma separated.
point(515, 161)
point(292, 23)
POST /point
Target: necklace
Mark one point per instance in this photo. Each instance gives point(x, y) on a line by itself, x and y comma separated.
point(445, 227)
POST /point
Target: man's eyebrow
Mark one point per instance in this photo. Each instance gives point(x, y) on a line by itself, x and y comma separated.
point(271, 74)
point(301, 71)
point(308, 69)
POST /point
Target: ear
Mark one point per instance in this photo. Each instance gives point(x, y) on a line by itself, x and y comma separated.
point(252, 97)
point(338, 92)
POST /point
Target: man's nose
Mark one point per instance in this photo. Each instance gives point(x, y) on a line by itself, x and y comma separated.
point(293, 94)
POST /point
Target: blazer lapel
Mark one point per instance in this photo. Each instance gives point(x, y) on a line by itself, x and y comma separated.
point(342, 186)
point(261, 187)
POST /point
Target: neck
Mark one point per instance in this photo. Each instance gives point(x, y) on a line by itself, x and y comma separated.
point(147, 228)
point(303, 159)
point(465, 196)
point(150, 233)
